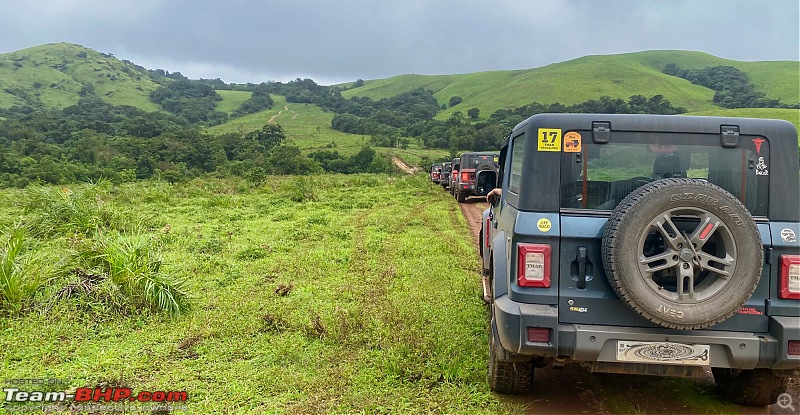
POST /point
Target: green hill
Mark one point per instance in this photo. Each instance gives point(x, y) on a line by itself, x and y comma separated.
point(577, 80)
point(55, 74)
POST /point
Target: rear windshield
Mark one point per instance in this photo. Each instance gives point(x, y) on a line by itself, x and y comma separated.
point(600, 176)
point(471, 162)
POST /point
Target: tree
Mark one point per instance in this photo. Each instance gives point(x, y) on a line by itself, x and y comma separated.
point(455, 101)
point(474, 113)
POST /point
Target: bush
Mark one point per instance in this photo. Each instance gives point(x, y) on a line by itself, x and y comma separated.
point(132, 265)
point(21, 274)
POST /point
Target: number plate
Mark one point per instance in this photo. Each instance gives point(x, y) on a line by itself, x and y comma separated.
point(663, 353)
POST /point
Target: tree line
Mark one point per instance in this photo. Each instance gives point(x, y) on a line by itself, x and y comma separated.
point(733, 87)
point(94, 140)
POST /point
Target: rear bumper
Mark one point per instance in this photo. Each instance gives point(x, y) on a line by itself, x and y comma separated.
point(595, 343)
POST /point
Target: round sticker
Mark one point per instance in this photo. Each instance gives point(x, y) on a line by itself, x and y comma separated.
point(544, 225)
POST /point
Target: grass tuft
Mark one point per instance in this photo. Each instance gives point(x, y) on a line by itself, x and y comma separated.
point(21, 275)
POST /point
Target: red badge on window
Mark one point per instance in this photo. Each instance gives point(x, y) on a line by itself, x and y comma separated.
point(758, 142)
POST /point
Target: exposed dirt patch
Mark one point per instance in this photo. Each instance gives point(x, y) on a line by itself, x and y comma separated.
point(402, 165)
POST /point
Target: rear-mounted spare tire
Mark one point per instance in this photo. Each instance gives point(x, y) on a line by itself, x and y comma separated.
point(683, 253)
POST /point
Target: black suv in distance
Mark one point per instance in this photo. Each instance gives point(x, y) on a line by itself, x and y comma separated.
point(447, 169)
point(477, 174)
point(646, 244)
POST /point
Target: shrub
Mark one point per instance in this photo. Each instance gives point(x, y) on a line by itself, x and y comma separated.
point(21, 274)
point(132, 265)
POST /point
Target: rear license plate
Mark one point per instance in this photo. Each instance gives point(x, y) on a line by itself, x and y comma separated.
point(665, 353)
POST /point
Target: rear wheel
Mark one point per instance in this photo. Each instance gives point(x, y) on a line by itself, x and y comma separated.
point(756, 387)
point(506, 375)
point(461, 197)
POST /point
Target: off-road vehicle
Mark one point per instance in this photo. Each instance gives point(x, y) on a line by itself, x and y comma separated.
point(435, 172)
point(477, 174)
point(646, 244)
point(453, 178)
point(447, 168)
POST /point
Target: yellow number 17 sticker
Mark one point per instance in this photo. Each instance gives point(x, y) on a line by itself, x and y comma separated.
point(549, 139)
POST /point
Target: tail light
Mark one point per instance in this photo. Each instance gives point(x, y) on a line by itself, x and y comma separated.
point(464, 176)
point(794, 348)
point(538, 335)
point(533, 265)
point(789, 286)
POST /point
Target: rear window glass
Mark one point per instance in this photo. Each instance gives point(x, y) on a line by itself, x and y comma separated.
point(472, 162)
point(602, 175)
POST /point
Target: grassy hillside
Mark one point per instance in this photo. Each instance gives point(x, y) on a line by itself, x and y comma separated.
point(309, 127)
point(231, 100)
point(590, 77)
point(55, 74)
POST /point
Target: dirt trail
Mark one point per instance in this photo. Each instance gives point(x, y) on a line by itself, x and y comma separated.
point(285, 108)
point(575, 390)
point(402, 165)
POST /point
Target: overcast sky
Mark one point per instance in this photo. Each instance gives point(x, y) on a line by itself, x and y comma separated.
point(338, 41)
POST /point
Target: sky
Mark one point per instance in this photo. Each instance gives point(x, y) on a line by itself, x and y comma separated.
point(344, 40)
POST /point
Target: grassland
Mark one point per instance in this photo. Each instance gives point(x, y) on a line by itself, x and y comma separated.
point(309, 127)
point(231, 100)
point(590, 77)
point(362, 298)
point(55, 74)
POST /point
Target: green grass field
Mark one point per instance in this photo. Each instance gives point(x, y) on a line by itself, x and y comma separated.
point(364, 298)
point(231, 100)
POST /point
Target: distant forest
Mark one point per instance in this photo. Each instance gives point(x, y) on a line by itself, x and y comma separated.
point(93, 139)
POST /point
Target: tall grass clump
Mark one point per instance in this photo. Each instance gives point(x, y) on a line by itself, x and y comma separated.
point(300, 189)
point(21, 273)
point(132, 266)
point(66, 211)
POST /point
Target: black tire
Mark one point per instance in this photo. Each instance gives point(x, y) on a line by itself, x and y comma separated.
point(755, 387)
point(460, 197)
point(686, 276)
point(507, 377)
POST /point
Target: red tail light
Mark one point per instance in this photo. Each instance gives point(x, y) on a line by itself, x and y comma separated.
point(486, 233)
point(789, 285)
point(464, 177)
point(794, 348)
point(538, 335)
point(533, 265)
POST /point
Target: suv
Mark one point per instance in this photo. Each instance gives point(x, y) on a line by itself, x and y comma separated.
point(435, 172)
point(477, 176)
point(646, 244)
point(452, 180)
point(447, 168)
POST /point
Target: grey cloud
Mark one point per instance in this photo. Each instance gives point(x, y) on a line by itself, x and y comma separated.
point(350, 39)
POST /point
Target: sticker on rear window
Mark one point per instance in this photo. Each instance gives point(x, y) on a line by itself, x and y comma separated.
point(549, 139)
point(572, 142)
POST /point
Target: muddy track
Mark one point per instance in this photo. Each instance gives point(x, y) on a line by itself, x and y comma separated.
point(575, 390)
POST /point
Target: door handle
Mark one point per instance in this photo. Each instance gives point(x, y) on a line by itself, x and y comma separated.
point(582, 258)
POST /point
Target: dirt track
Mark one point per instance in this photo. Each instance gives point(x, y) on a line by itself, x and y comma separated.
point(575, 390)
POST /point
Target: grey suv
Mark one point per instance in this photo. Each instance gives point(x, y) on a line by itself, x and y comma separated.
point(646, 244)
